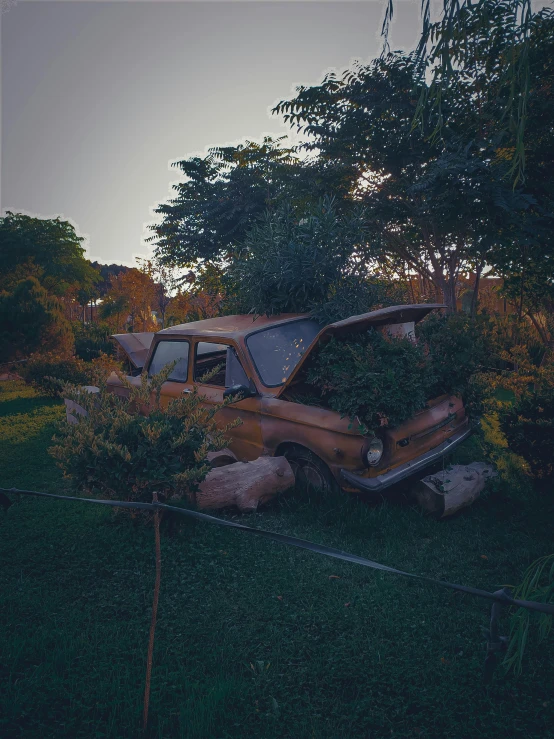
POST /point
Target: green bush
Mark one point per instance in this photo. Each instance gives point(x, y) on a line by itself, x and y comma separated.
point(92, 340)
point(127, 448)
point(384, 381)
point(49, 371)
point(32, 320)
point(529, 428)
point(378, 381)
point(309, 262)
point(458, 347)
point(537, 585)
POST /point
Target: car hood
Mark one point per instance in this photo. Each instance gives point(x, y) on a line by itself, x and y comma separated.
point(135, 346)
point(395, 314)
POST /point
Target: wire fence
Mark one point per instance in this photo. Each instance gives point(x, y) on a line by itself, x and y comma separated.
point(499, 598)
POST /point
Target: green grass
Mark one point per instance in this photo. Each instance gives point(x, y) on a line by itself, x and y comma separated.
point(255, 639)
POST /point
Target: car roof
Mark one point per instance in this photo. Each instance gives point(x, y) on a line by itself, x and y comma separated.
point(230, 327)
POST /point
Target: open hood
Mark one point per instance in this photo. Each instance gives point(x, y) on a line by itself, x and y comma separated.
point(395, 314)
point(135, 346)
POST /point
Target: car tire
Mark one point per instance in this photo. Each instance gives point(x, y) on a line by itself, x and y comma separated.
point(310, 472)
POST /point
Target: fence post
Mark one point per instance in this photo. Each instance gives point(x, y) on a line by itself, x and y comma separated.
point(154, 614)
point(495, 642)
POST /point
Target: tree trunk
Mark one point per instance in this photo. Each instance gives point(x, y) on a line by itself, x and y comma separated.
point(447, 286)
point(475, 296)
point(245, 484)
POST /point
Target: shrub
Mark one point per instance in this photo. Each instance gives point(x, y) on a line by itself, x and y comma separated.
point(458, 347)
point(32, 320)
point(49, 371)
point(120, 453)
point(513, 471)
point(378, 381)
point(92, 340)
point(384, 381)
point(529, 428)
point(314, 262)
point(519, 404)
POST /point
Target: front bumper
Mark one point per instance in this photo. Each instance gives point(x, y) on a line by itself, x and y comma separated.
point(376, 484)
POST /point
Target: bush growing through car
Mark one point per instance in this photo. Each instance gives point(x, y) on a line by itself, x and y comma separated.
point(129, 447)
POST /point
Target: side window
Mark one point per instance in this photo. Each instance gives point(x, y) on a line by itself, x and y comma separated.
point(209, 356)
point(167, 352)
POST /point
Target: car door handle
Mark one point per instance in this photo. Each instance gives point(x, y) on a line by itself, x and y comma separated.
point(186, 390)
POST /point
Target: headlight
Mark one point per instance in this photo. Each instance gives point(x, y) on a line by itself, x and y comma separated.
point(373, 452)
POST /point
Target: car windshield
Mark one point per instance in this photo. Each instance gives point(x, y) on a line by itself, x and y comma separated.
point(277, 350)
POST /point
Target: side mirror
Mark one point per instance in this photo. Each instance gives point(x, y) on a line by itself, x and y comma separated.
point(243, 390)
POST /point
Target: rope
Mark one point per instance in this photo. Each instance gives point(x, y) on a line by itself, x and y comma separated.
point(499, 597)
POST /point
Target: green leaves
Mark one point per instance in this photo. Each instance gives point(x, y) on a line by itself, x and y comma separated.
point(384, 381)
point(312, 260)
point(529, 428)
point(375, 380)
point(46, 248)
point(128, 447)
point(537, 585)
point(32, 320)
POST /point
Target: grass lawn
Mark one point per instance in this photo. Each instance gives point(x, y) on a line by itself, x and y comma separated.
point(255, 639)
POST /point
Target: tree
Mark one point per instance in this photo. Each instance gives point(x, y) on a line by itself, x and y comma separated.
point(439, 204)
point(106, 272)
point(31, 320)
point(129, 301)
point(225, 192)
point(165, 280)
point(446, 50)
point(47, 249)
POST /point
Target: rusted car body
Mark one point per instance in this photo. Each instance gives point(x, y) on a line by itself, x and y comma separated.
point(262, 360)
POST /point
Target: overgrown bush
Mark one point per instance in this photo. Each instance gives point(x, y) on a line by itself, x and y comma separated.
point(127, 448)
point(529, 428)
point(32, 320)
point(92, 340)
point(378, 381)
point(518, 412)
point(384, 381)
point(313, 261)
point(458, 347)
point(49, 372)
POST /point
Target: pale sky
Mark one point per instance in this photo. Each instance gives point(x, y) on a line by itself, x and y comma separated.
point(99, 97)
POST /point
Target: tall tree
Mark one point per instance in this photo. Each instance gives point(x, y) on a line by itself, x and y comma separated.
point(130, 300)
point(166, 282)
point(435, 204)
point(48, 249)
point(32, 320)
point(445, 49)
point(224, 193)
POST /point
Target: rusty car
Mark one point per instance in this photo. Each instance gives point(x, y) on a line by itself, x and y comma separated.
point(260, 362)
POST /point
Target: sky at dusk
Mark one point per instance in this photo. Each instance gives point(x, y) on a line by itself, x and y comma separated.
point(99, 97)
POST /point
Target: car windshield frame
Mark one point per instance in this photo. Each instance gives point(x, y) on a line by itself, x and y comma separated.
point(273, 328)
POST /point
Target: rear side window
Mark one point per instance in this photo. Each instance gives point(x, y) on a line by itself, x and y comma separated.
point(167, 352)
point(210, 356)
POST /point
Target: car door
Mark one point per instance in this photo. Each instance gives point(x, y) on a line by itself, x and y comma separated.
point(165, 352)
point(217, 366)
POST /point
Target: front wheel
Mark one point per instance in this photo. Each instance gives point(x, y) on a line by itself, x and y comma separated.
point(310, 472)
